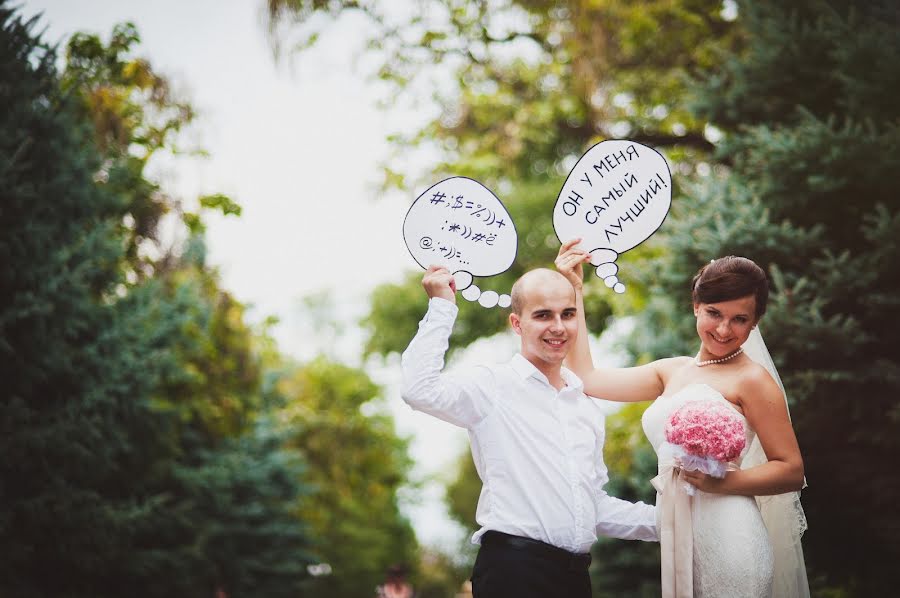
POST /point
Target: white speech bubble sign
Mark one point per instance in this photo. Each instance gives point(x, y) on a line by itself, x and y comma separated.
point(461, 225)
point(617, 195)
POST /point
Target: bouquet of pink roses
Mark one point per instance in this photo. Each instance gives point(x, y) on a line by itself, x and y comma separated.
point(705, 436)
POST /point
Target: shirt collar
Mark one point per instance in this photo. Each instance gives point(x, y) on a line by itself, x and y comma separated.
point(572, 380)
point(526, 369)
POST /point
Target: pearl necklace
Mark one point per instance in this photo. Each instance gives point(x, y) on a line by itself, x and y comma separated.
point(700, 364)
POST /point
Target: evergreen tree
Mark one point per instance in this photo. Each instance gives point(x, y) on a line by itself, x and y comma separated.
point(813, 140)
point(224, 487)
point(71, 362)
point(134, 461)
point(240, 500)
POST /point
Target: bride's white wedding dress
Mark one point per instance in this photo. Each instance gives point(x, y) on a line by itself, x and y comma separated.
point(732, 553)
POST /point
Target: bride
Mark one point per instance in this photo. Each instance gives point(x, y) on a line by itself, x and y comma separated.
point(737, 536)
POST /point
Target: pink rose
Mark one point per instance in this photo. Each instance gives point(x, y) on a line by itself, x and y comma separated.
point(707, 429)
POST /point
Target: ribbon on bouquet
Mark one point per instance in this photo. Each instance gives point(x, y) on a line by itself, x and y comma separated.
point(676, 533)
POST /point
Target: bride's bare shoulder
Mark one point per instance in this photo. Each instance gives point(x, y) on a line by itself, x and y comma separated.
point(671, 365)
point(677, 362)
point(756, 384)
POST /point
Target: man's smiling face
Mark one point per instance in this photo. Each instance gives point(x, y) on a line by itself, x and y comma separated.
point(547, 322)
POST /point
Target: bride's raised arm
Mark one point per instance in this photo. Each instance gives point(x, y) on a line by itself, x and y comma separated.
point(642, 383)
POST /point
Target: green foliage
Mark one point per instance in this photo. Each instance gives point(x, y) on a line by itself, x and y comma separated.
point(356, 463)
point(135, 461)
point(440, 575)
point(463, 492)
point(227, 487)
point(536, 80)
point(394, 313)
point(68, 368)
point(771, 80)
point(212, 378)
point(624, 567)
point(135, 116)
point(241, 497)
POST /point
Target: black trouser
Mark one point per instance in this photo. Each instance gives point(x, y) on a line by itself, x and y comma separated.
point(514, 567)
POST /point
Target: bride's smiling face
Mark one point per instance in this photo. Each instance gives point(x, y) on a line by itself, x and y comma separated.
point(723, 327)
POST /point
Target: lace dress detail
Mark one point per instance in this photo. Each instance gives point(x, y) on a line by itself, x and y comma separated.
point(732, 552)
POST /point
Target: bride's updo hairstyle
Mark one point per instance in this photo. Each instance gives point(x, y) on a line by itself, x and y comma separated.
point(729, 278)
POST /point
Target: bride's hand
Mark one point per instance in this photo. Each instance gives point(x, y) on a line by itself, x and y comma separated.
point(569, 262)
point(704, 482)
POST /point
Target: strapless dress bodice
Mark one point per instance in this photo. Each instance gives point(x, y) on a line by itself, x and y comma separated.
point(656, 415)
point(732, 555)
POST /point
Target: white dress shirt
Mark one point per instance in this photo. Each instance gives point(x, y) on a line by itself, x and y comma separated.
point(538, 451)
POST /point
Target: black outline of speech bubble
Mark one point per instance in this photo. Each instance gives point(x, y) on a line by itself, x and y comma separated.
point(511, 222)
point(571, 172)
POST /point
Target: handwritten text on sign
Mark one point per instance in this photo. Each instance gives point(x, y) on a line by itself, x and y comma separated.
point(460, 224)
point(616, 196)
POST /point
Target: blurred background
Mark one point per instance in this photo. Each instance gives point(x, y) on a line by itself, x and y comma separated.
point(204, 288)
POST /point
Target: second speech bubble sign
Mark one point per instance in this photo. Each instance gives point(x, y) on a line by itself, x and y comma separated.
point(616, 196)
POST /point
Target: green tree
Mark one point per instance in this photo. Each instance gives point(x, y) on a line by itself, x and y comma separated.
point(206, 397)
point(440, 575)
point(813, 142)
point(240, 500)
point(71, 363)
point(136, 117)
point(356, 464)
point(225, 486)
point(135, 462)
point(463, 493)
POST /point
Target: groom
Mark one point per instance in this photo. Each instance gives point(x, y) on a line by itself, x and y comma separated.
point(536, 439)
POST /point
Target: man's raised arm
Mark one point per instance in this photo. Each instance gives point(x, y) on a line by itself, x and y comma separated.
point(460, 401)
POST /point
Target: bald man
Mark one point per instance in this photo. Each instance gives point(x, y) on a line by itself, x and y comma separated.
point(536, 439)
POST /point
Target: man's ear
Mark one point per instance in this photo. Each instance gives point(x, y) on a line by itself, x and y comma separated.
point(516, 323)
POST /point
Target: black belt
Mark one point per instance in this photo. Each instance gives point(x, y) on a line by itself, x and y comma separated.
point(570, 560)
